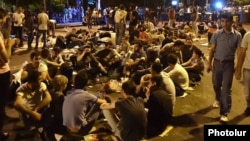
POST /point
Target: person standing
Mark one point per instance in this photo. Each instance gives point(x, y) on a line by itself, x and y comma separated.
point(29, 25)
point(120, 22)
point(133, 19)
point(5, 54)
point(171, 17)
point(243, 62)
point(225, 43)
point(18, 18)
point(88, 15)
point(182, 14)
point(194, 19)
point(43, 21)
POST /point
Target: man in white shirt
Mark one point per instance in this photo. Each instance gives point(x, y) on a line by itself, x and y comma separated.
point(178, 74)
point(120, 23)
point(243, 69)
point(18, 19)
point(43, 20)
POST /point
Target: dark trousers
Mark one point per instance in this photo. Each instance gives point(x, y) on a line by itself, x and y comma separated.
point(18, 31)
point(222, 76)
point(30, 38)
point(39, 32)
point(4, 90)
point(89, 23)
point(209, 36)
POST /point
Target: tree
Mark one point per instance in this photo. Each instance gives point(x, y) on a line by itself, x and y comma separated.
point(241, 2)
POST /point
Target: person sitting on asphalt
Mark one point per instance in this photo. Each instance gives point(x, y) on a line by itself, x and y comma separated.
point(175, 49)
point(195, 66)
point(178, 74)
point(155, 69)
point(160, 109)
point(55, 56)
point(108, 57)
point(131, 124)
point(33, 98)
point(72, 39)
point(53, 66)
point(136, 61)
point(35, 64)
point(55, 125)
point(143, 35)
point(187, 50)
point(80, 108)
point(86, 60)
point(124, 46)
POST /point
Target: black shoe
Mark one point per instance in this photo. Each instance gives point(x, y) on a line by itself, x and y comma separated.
point(247, 112)
point(4, 136)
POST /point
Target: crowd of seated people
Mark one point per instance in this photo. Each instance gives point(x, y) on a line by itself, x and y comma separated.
point(153, 60)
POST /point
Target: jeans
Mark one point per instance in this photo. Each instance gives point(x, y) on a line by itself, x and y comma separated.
point(246, 77)
point(222, 79)
point(18, 31)
point(119, 32)
point(30, 38)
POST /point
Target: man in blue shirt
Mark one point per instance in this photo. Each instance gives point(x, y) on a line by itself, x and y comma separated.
point(80, 108)
point(225, 43)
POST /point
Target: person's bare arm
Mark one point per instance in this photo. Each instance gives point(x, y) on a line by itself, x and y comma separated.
point(210, 58)
point(4, 54)
point(24, 109)
point(45, 102)
point(9, 43)
point(107, 106)
point(241, 53)
point(186, 63)
point(20, 107)
point(52, 63)
point(81, 55)
point(101, 101)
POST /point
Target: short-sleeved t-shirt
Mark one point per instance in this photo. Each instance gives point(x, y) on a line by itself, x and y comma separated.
point(226, 44)
point(246, 44)
point(44, 18)
point(75, 107)
point(133, 118)
point(41, 68)
point(31, 97)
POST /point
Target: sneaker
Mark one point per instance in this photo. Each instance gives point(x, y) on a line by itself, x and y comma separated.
point(224, 119)
point(247, 111)
point(216, 104)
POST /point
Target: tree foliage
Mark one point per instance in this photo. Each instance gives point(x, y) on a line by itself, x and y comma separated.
point(241, 2)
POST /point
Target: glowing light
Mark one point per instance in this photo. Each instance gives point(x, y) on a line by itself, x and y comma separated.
point(218, 5)
point(174, 2)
